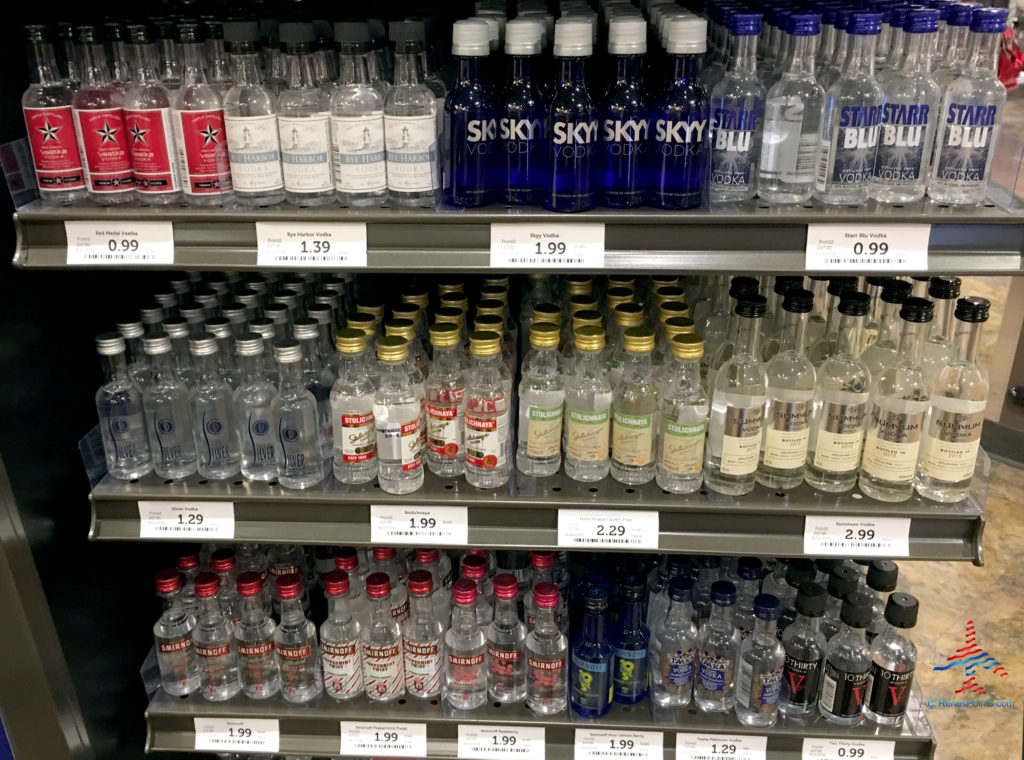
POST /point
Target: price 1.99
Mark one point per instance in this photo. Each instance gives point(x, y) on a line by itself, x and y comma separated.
point(385, 737)
point(422, 523)
point(503, 741)
point(621, 744)
point(552, 248)
point(239, 733)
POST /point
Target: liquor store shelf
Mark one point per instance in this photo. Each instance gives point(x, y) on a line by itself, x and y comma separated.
point(315, 730)
point(748, 237)
point(524, 513)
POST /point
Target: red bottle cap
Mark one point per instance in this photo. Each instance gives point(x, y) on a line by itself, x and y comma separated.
point(378, 585)
point(542, 559)
point(250, 584)
point(336, 583)
point(187, 561)
point(289, 586)
point(383, 552)
point(427, 556)
point(506, 586)
point(464, 591)
point(207, 584)
point(167, 580)
point(545, 594)
point(421, 582)
point(346, 558)
point(222, 561)
point(478, 553)
point(474, 567)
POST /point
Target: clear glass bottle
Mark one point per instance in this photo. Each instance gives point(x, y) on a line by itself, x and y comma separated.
point(630, 640)
point(624, 114)
point(590, 679)
point(804, 645)
point(168, 413)
point(523, 113)
point(318, 377)
point(547, 653)
point(541, 403)
point(216, 57)
point(822, 348)
point(340, 636)
point(254, 639)
point(847, 670)
point(747, 578)
point(954, 53)
point(168, 52)
point(294, 410)
point(588, 401)
point(397, 419)
point(253, 411)
point(882, 352)
point(423, 638)
point(465, 678)
point(881, 579)
point(470, 123)
point(382, 652)
point(893, 659)
point(352, 422)
point(842, 581)
point(939, 348)
point(830, 70)
point(216, 432)
point(488, 435)
point(718, 643)
point(709, 570)
point(175, 652)
point(759, 662)
point(216, 649)
point(506, 644)
point(446, 391)
point(122, 420)
point(673, 647)
point(476, 569)
point(295, 645)
point(721, 344)
point(635, 411)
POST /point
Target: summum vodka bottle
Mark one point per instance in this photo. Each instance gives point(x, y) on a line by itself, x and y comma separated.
point(175, 652)
point(546, 655)
point(588, 401)
point(506, 642)
point(893, 659)
point(971, 111)
point(635, 411)
point(397, 420)
point(804, 646)
point(844, 685)
point(851, 120)
point(760, 661)
point(422, 638)
point(624, 115)
point(340, 636)
point(168, 413)
point(216, 648)
point(355, 442)
point(253, 411)
point(382, 654)
point(296, 421)
point(216, 433)
point(295, 647)
point(470, 123)
point(673, 647)
point(541, 401)
point(254, 639)
point(488, 438)
point(882, 352)
point(122, 420)
point(714, 685)
point(523, 120)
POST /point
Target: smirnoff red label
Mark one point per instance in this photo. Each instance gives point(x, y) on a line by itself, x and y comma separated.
point(256, 650)
point(202, 151)
point(169, 647)
point(55, 155)
point(102, 139)
point(504, 655)
point(545, 664)
point(294, 653)
point(466, 662)
point(218, 651)
point(152, 150)
point(283, 570)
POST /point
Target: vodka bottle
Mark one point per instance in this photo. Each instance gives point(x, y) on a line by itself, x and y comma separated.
point(470, 122)
point(250, 122)
point(99, 126)
point(588, 401)
point(304, 123)
point(439, 566)
point(294, 409)
point(446, 390)
point(791, 382)
point(760, 662)
point(546, 656)
point(188, 565)
point(673, 647)
point(168, 413)
point(465, 677)
point(523, 121)
point(318, 378)
point(737, 408)
point(721, 343)
point(216, 648)
point(340, 637)
point(954, 420)
point(295, 647)
point(175, 653)
point(352, 422)
point(709, 571)
point(899, 401)
point(169, 53)
point(625, 118)
point(122, 420)
point(881, 579)
point(839, 412)
point(630, 640)
point(216, 433)
point(423, 639)
point(971, 112)
point(804, 647)
point(882, 352)
point(714, 685)
point(220, 328)
point(939, 348)
point(488, 439)
point(411, 124)
point(635, 411)
point(542, 570)
point(831, 71)
point(506, 644)
point(382, 653)
point(46, 106)
point(348, 559)
point(792, 120)
point(117, 54)
point(574, 137)
point(954, 54)
point(850, 123)
point(397, 418)
point(747, 581)
point(798, 571)
point(847, 668)
point(253, 411)
point(590, 683)
point(475, 568)
point(217, 62)
point(623, 316)
point(737, 111)
point(254, 639)
point(842, 581)
point(888, 60)
point(893, 659)
point(541, 401)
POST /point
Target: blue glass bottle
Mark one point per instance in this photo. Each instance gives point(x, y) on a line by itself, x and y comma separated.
point(574, 135)
point(523, 124)
point(469, 120)
point(590, 684)
point(630, 641)
point(624, 115)
point(680, 140)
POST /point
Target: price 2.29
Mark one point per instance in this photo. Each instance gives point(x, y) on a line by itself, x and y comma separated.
point(860, 534)
point(122, 246)
point(422, 523)
point(550, 249)
point(611, 530)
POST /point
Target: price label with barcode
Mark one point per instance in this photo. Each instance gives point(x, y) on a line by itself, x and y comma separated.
point(720, 747)
point(391, 524)
point(237, 734)
point(601, 744)
point(372, 739)
point(555, 246)
point(868, 247)
point(119, 243)
point(602, 527)
point(478, 742)
point(857, 536)
point(204, 520)
point(845, 749)
point(329, 245)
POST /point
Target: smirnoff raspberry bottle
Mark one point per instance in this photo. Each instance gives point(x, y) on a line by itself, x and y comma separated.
point(422, 638)
point(51, 133)
point(383, 660)
point(506, 643)
point(465, 679)
point(254, 637)
point(340, 640)
point(215, 644)
point(175, 654)
point(295, 647)
point(547, 652)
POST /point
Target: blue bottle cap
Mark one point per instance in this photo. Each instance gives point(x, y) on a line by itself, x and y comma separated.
point(899, 16)
point(723, 593)
point(767, 607)
point(989, 20)
point(921, 21)
point(710, 561)
point(829, 14)
point(680, 589)
point(779, 17)
point(865, 23)
point(745, 23)
point(749, 568)
point(678, 563)
point(960, 14)
point(843, 16)
point(804, 24)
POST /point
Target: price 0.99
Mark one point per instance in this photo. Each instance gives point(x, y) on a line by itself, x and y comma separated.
point(385, 737)
point(723, 749)
point(239, 733)
point(871, 249)
point(122, 246)
point(621, 744)
point(503, 741)
point(423, 523)
point(611, 530)
point(551, 248)
point(861, 534)
point(316, 246)
point(190, 519)
point(850, 752)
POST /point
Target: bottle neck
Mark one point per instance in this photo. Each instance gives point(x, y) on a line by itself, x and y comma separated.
point(246, 68)
point(589, 364)
point(917, 54)
point(163, 366)
point(142, 57)
point(636, 365)
point(291, 610)
point(42, 64)
point(470, 69)
point(115, 367)
point(174, 605)
point(421, 607)
point(912, 341)
point(841, 48)
point(630, 615)
point(298, 68)
point(942, 323)
point(628, 68)
point(744, 54)
point(801, 55)
point(352, 364)
point(408, 69)
point(520, 68)
point(339, 609)
point(252, 369)
point(956, 51)
point(290, 373)
point(685, 68)
point(897, 41)
point(464, 616)
point(593, 627)
point(983, 51)
point(544, 619)
point(854, 635)
point(487, 369)
point(860, 55)
point(192, 63)
point(311, 354)
point(382, 610)
point(572, 70)
point(353, 69)
point(251, 609)
point(94, 65)
point(209, 606)
point(720, 301)
point(887, 323)
point(764, 631)
point(544, 363)
point(827, 43)
point(541, 575)
point(505, 612)
point(968, 341)
point(850, 329)
point(721, 617)
point(207, 367)
point(679, 615)
point(794, 327)
point(748, 331)
point(687, 371)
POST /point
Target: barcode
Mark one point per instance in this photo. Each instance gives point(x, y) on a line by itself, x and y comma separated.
point(862, 262)
point(614, 753)
point(235, 742)
point(828, 694)
point(304, 258)
point(743, 684)
point(184, 528)
point(853, 544)
point(805, 151)
point(824, 151)
point(544, 260)
point(119, 256)
point(604, 540)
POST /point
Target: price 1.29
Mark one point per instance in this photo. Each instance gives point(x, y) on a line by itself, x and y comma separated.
point(193, 518)
point(723, 749)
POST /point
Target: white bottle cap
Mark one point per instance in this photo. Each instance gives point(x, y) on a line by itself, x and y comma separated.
point(523, 36)
point(687, 35)
point(493, 31)
point(471, 37)
point(573, 37)
point(663, 21)
point(627, 35)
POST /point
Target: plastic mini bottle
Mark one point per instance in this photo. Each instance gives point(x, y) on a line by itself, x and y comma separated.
point(254, 634)
point(175, 651)
point(487, 412)
point(719, 641)
point(804, 646)
point(422, 639)
point(844, 686)
point(893, 659)
point(506, 644)
point(397, 417)
point(470, 123)
point(340, 636)
point(465, 677)
point(382, 653)
point(546, 656)
point(216, 649)
point(760, 661)
point(673, 647)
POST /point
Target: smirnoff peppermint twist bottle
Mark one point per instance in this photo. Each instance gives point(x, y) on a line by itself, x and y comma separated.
point(506, 640)
point(175, 653)
point(51, 132)
point(340, 640)
point(382, 654)
point(624, 116)
point(422, 638)
point(893, 659)
point(523, 116)
point(465, 678)
point(547, 652)
point(215, 644)
point(355, 444)
point(119, 404)
point(254, 638)
point(848, 664)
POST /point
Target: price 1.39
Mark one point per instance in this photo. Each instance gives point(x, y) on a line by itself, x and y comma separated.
point(315, 246)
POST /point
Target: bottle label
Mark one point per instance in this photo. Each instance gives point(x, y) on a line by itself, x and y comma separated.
point(901, 146)
point(850, 157)
point(758, 691)
point(383, 674)
point(951, 446)
point(503, 661)
point(840, 437)
point(255, 650)
point(359, 164)
point(260, 444)
point(892, 444)
point(681, 160)
point(151, 146)
point(682, 447)
point(343, 673)
point(543, 666)
point(444, 424)
point(411, 145)
point(102, 141)
point(889, 691)
point(630, 669)
point(202, 151)
point(354, 435)
point(400, 442)
point(800, 679)
point(587, 434)
point(677, 670)
point(400, 612)
point(787, 155)
point(279, 570)
point(842, 693)
point(51, 134)
point(733, 146)
point(255, 153)
point(544, 431)
point(965, 144)
point(785, 437)
point(485, 440)
point(632, 438)
point(179, 645)
point(221, 650)
point(741, 439)
point(294, 653)
point(588, 666)
point(306, 152)
point(216, 444)
point(422, 666)
point(714, 676)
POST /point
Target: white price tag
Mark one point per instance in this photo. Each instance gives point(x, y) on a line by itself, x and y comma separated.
point(868, 247)
point(845, 749)
point(237, 734)
point(120, 243)
point(603, 527)
point(857, 536)
point(485, 742)
point(558, 246)
point(720, 747)
point(295, 244)
point(371, 739)
point(600, 744)
point(418, 525)
point(205, 520)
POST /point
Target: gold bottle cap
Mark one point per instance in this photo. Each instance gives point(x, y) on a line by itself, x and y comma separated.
point(672, 309)
point(455, 298)
point(363, 321)
point(628, 315)
point(450, 285)
point(587, 318)
point(678, 326)
point(450, 314)
point(490, 306)
point(547, 312)
point(660, 280)
point(484, 343)
point(638, 340)
point(581, 302)
point(615, 296)
point(687, 346)
point(495, 292)
point(403, 328)
point(418, 296)
point(489, 323)
point(444, 335)
point(589, 338)
point(544, 335)
point(668, 293)
point(392, 348)
point(349, 340)
point(579, 285)
point(376, 308)
point(538, 276)
point(500, 280)
point(622, 281)
point(407, 310)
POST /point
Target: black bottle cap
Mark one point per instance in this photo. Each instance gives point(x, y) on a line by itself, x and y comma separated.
point(408, 36)
point(827, 565)
point(296, 33)
point(883, 574)
point(799, 571)
point(856, 610)
point(787, 282)
point(595, 599)
point(798, 301)
point(188, 31)
point(214, 28)
point(863, 562)
point(65, 30)
point(680, 589)
point(352, 33)
point(918, 310)
point(749, 568)
point(853, 303)
point(241, 31)
point(842, 581)
point(767, 607)
point(631, 589)
point(723, 593)
point(922, 279)
point(901, 610)
point(37, 33)
point(86, 34)
point(879, 282)
point(837, 285)
point(896, 291)
point(944, 287)
point(811, 599)
point(138, 34)
point(710, 561)
point(752, 305)
point(821, 279)
point(743, 284)
point(972, 309)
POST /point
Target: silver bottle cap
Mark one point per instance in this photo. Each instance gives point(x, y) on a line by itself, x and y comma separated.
point(277, 312)
point(218, 326)
point(166, 298)
point(151, 315)
point(109, 344)
point(180, 284)
point(247, 296)
point(250, 344)
point(329, 297)
point(207, 298)
point(203, 344)
point(298, 284)
point(235, 313)
point(288, 351)
point(289, 298)
point(130, 329)
point(157, 344)
point(194, 313)
point(305, 329)
point(321, 313)
point(262, 326)
point(176, 327)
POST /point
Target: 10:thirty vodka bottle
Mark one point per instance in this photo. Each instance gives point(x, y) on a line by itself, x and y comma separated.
point(254, 637)
point(175, 652)
point(847, 664)
point(546, 655)
point(506, 642)
point(804, 646)
point(215, 644)
point(355, 445)
point(422, 638)
point(760, 661)
point(168, 413)
point(396, 414)
point(446, 392)
point(465, 678)
point(541, 399)
point(624, 116)
point(574, 136)
point(488, 443)
point(119, 404)
point(294, 409)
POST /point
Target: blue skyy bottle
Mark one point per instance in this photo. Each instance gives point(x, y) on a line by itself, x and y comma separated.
point(574, 135)
point(469, 120)
point(523, 117)
point(680, 141)
point(590, 684)
point(624, 115)
point(630, 641)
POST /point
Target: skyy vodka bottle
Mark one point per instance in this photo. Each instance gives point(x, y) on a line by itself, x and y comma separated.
point(624, 114)
point(422, 639)
point(122, 420)
point(465, 678)
point(588, 401)
point(213, 411)
point(254, 638)
point(175, 652)
point(470, 123)
point(296, 422)
point(397, 420)
point(355, 443)
point(340, 636)
point(168, 413)
point(541, 400)
point(523, 115)
point(488, 437)
point(673, 647)
point(216, 648)
point(506, 639)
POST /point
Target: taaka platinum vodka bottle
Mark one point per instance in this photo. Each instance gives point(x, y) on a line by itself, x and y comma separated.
point(759, 662)
point(122, 418)
point(254, 639)
point(541, 401)
point(673, 647)
point(168, 413)
point(804, 646)
point(216, 649)
point(719, 641)
point(465, 677)
point(175, 651)
point(851, 120)
point(355, 442)
point(295, 645)
point(737, 112)
point(506, 644)
point(523, 118)
point(253, 412)
point(296, 421)
point(893, 660)
point(588, 401)
point(340, 636)
point(971, 111)
point(423, 638)
point(213, 412)
point(844, 683)
point(624, 116)
point(470, 120)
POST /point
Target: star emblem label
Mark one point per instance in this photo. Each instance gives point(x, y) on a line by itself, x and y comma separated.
point(50, 131)
point(108, 133)
point(209, 135)
point(138, 134)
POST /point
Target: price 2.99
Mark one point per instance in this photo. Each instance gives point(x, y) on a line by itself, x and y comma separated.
point(122, 246)
point(861, 534)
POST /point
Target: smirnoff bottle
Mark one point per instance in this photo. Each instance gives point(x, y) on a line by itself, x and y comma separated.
point(355, 445)
point(547, 653)
point(175, 653)
point(340, 636)
point(215, 645)
point(506, 640)
point(382, 653)
point(385, 559)
point(465, 678)
point(168, 413)
point(848, 664)
point(217, 441)
point(488, 443)
point(46, 105)
point(470, 126)
point(295, 647)
point(252, 400)
point(121, 414)
point(397, 418)
point(446, 391)
point(591, 684)
point(254, 638)
point(542, 570)
point(422, 638)
point(893, 659)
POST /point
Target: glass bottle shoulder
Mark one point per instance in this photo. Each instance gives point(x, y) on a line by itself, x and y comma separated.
point(303, 101)
point(903, 380)
point(255, 394)
point(803, 86)
point(791, 370)
point(960, 380)
point(735, 86)
point(196, 97)
point(844, 372)
point(249, 100)
point(254, 631)
point(976, 87)
point(853, 91)
point(147, 95)
point(468, 96)
point(410, 100)
point(356, 100)
point(47, 95)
